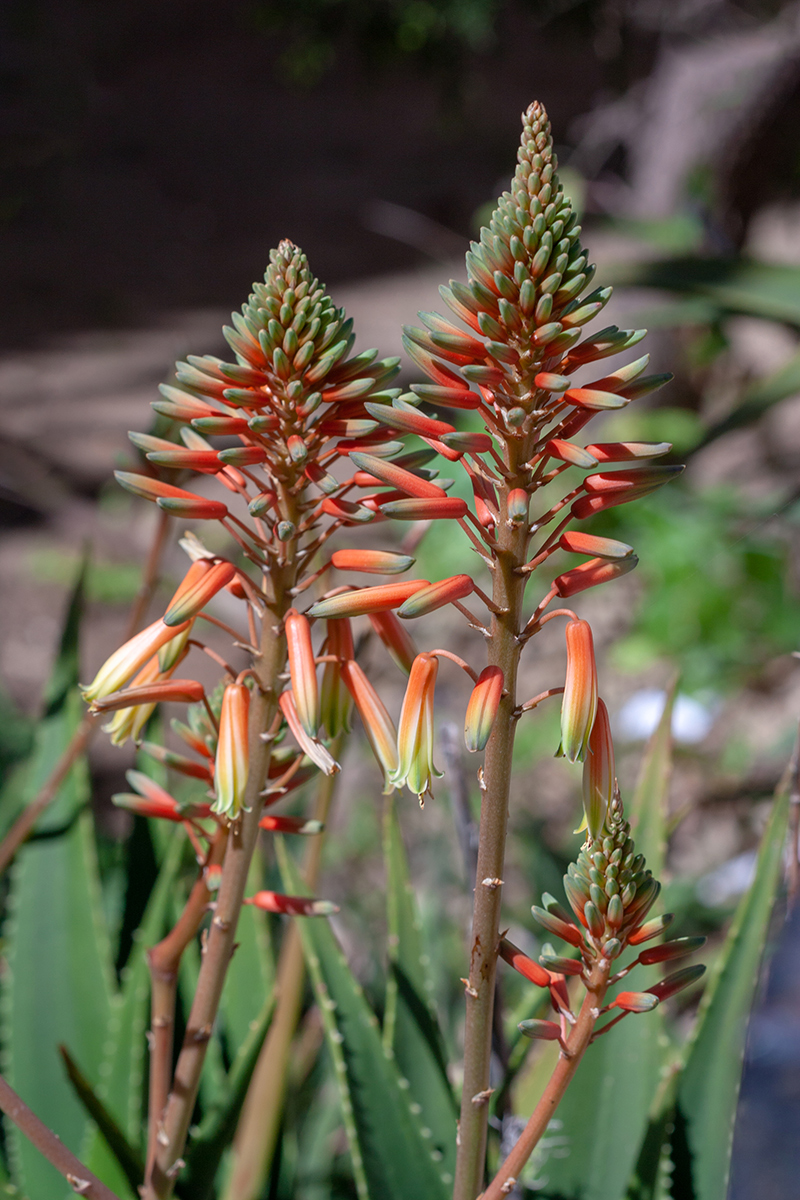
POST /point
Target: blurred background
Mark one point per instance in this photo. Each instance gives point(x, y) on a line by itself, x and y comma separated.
point(153, 153)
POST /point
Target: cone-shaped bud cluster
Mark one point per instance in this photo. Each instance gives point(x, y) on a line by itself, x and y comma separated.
point(415, 766)
point(579, 703)
point(232, 759)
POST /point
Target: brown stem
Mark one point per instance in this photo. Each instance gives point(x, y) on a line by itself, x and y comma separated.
point(164, 961)
point(568, 1061)
point(259, 1123)
point(503, 652)
point(79, 1177)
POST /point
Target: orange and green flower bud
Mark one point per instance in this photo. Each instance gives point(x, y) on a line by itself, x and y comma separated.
point(436, 595)
point(633, 478)
point(379, 726)
point(313, 748)
point(576, 456)
point(562, 929)
point(232, 759)
point(345, 511)
point(302, 670)
point(599, 775)
point(592, 574)
point(482, 708)
point(415, 768)
point(176, 691)
point(518, 501)
point(448, 508)
point(547, 1031)
point(378, 469)
point(627, 451)
point(404, 416)
point(524, 965)
point(678, 948)
point(151, 800)
point(579, 702)
point(372, 562)
point(130, 658)
point(468, 443)
point(395, 637)
point(676, 983)
point(174, 651)
point(635, 1002)
point(178, 762)
point(171, 499)
point(650, 930)
point(588, 543)
point(194, 508)
point(362, 601)
point(594, 400)
point(292, 906)
point(202, 581)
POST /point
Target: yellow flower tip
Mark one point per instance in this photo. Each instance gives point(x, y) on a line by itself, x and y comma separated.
point(232, 759)
point(129, 722)
point(130, 658)
point(599, 773)
point(482, 708)
point(579, 703)
point(378, 725)
point(302, 670)
point(415, 766)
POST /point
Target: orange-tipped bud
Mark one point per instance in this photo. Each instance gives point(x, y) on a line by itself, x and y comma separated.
point(290, 825)
point(650, 930)
point(588, 506)
point(346, 511)
point(482, 708)
point(576, 456)
point(232, 759)
point(373, 562)
point(468, 443)
point(633, 477)
point(175, 691)
point(555, 925)
point(671, 950)
point(415, 768)
point(167, 810)
point(588, 543)
point(379, 726)
point(579, 702)
point(311, 747)
point(202, 581)
point(526, 966)
point(242, 456)
point(165, 493)
point(599, 773)
point(635, 1002)
point(518, 501)
point(436, 595)
point(178, 762)
point(292, 906)
point(448, 397)
point(194, 508)
point(594, 400)
point(396, 477)
point(334, 698)
point(367, 600)
point(448, 508)
point(186, 459)
point(395, 637)
point(627, 451)
point(592, 573)
point(302, 670)
point(676, 983)
point(551, 383)
point(192, 740)
point(130, 658)
point(406, 417)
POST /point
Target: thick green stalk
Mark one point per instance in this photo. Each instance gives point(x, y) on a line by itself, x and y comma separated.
point(503, 651)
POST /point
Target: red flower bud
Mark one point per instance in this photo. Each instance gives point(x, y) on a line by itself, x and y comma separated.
point(592, 573)
point(482, 708)
point(374, 562)
point(367, 600)
point(524, 965)
point(397, 477)
point(436, 595)
point(587, 543)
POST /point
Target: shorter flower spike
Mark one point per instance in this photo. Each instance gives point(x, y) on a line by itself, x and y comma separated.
point(436, 595)
point(379, 726)
point(292, 906)
point(130, 658)
point(524, 965)
point(482, 708)
point(592, 573)
point(588, 543)
point(231, 766)
point(202, 581)
point(395, 637)
point(302, 670)
point(367, 600)
point(677, 982)
point(547, 1031)
point(598, 773)
point(635, 1002)
point(373, 562)
point(678, 948)
point(579, 702)
point(449, 507)
point(415, 732)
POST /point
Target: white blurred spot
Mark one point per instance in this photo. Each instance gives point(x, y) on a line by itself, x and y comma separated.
point(729, 881)
point(639, 716)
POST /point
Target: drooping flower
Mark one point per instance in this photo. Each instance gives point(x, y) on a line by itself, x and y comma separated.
point(415, 767)
point(482, 708)
point(378, 725)
point(303, 670)
point(232, 760)
point(129, 659)
point(598, 773)
point(579, 703)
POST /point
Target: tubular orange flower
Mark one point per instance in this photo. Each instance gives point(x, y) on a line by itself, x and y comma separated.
point(397, 477)
point(334, 698)
point(415, 735)
point(592, 573)
point(367, 600)
point(625, 451)
point(231, 765)
point(395, 637)
point(303, 670)
point(588, 543)
point(309, 745)
point(426, 510)
point(202, 581)
point(130, 658)
point(171, 499)
point(482, 708)
point(598, 773)
point(293, 906)
point(378, 725)
point(177, 691)
point(129, 722)
point(579, 703)
point(436, 595)
point(526, 966)
point(374, 562)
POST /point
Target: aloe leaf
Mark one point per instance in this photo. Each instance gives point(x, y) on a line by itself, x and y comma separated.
point(709, 1087)
point(411, 1029)
point(126, 1155)
point(390, 1152)
point(219, 1125)
point(59, 983)
point(647, 811)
